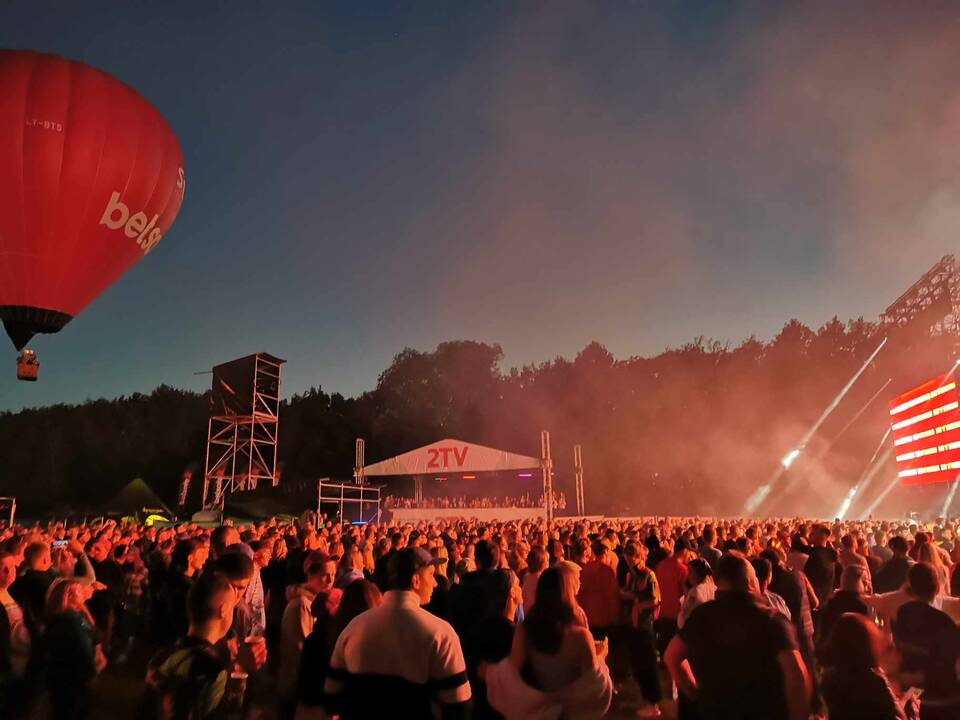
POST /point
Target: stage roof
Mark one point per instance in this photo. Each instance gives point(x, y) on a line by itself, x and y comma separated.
point(451, 456)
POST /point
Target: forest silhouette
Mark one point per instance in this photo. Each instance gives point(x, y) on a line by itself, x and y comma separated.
point(692, 430)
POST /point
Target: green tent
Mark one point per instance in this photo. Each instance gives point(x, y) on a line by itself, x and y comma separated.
point(137, 498)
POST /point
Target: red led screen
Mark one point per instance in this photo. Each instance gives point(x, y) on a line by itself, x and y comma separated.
point(925, 426)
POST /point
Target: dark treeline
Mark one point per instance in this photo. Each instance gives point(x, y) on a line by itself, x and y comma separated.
point(693, 429)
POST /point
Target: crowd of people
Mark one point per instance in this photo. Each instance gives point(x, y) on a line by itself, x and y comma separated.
point(462, 501)
point(781, 619)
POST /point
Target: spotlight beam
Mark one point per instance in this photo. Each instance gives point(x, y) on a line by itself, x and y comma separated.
point(858, 414)
point(949, 501)
point(840, 395)
point(793, 454)
point(870, 472)
point(880, 498)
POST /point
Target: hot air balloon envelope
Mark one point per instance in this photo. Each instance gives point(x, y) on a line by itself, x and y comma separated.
point(91, 178)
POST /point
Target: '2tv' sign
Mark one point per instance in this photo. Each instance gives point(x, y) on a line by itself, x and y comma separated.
point(440, 457)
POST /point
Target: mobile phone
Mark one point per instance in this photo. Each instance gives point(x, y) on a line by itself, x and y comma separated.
point(59, 543)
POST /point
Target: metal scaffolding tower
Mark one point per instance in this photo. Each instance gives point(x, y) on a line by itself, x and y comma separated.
point(242, 431)
point(933, 301)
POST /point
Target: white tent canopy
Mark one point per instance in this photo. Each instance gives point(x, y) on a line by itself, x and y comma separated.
point(445, 456)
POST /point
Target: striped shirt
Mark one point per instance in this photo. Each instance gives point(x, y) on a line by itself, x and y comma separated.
point(397, 658)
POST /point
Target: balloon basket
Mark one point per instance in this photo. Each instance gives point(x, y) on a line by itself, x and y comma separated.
point(28, 366)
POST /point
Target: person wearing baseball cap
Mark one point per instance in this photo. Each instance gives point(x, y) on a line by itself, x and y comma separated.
point(408, 567)
point(398, 655)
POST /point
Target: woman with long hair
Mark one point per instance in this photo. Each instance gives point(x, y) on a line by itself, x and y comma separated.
point(350, 568)
point(73, 656)
point(537, 560)
point(927, 552)
point(555, 669)
point(854, 684)
point(552, 648)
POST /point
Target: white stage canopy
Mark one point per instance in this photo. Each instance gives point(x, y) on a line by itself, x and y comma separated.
point(451, 456)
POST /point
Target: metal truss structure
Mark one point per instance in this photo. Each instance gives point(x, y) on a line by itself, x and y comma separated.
point(345, 495)
point(932, 301)
point(242, 441)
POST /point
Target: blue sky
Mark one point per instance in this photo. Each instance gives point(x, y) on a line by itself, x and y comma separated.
point(363, 177)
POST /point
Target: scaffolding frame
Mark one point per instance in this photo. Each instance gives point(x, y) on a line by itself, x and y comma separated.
point(546, 467)
point(578, 478)
point(346, 494)
point(934, 299)
point(242, 449)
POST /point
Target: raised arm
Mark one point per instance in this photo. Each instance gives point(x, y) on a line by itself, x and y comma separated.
point(796, 683)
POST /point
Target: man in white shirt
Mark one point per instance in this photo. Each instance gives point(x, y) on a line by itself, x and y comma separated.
point(398, 657)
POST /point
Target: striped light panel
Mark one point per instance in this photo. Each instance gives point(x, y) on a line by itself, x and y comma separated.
point(925, 425)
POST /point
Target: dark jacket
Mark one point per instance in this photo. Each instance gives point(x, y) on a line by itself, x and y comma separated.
point(892, 575)
point(843, 601)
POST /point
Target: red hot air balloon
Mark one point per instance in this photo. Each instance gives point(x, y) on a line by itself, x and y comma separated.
point(91, 177)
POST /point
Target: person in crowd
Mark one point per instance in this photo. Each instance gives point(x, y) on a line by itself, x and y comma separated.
point(599, 594)
point(854, 685)
point(190, 680)
point(16, 643)
point(763, 569)
point(735, 657)
point(105, 605)
point(708, 546)
point(701, 588)
point(821, 565)
point(580, 551)
point(439, 602)
point(187, 562)
point(468, 599)
point(879, 545)
point(556, 655)
point(491, 638)
point(359, 596)
point(930, 554)
point(380, 572)
point(850, 555)
point(30, 589)
point(671, 575)
point(274, 579)
point(848, 599)
point(641, 595)
point(655, 550)
point(797, 557)
point(239, 570)
point(399, 655)
point(73, 655)
point(226, 538)
point(537, 562)
point(893, 573)
point(298, 620)
point(350, 568)
point(929, 644)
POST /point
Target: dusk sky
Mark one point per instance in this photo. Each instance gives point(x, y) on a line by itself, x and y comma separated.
point(365, 176)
